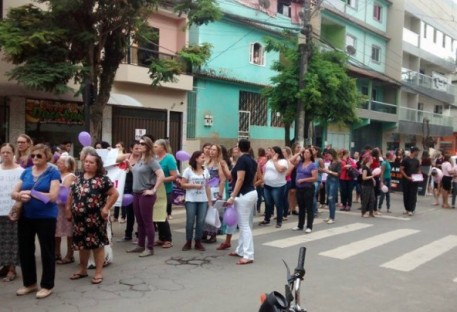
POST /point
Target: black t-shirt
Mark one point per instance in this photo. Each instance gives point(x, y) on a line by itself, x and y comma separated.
point(247, 164)
point(410, 165)
point(368, 182)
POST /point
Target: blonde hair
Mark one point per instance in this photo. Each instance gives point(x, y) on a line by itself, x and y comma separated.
point(69, 162)
point(149, 154)
point(28, 150)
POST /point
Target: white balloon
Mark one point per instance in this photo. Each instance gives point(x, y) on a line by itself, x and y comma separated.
point(384, 189)
point(376, 171)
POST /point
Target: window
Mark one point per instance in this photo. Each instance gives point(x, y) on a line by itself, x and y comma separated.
point(351, 44)
point(351, 3)
point(257, 105)
point(284, 7)
point(276, 119)
point(375, 54)
point(377, 12)
point(257, 55)
point(147, 49)
point(438, 109)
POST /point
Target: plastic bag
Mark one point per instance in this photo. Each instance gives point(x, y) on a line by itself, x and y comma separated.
point(212, 217)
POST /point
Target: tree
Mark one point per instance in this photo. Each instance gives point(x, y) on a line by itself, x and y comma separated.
point(86, 40)
point(330, 95)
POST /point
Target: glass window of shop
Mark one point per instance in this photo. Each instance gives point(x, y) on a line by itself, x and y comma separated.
point(54, 121)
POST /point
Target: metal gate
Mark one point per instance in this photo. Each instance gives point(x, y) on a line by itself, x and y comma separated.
point(126, 120)
point(244, 124)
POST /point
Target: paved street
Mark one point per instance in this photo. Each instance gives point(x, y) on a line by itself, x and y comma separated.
point(389, 263)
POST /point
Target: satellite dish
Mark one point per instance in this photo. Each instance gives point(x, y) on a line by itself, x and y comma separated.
point(350, 50)
point(264, 3)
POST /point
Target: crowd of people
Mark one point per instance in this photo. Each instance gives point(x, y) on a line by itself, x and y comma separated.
point(51, 199)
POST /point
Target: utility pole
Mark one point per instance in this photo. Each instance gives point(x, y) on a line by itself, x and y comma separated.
point(304, 45)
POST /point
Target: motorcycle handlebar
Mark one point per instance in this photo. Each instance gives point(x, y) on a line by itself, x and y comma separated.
point(301, 259)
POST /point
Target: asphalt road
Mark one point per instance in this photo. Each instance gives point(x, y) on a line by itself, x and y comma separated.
point(389, 263)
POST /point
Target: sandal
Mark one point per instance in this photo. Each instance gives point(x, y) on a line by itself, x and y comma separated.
point(245, 261)
point(66, 260)
point(167, 244)
point(158, 243)
point(234, 254)
point(77, 276)
point(10, 276)
point(97, 280)
point(223, 246)
point(58, 258)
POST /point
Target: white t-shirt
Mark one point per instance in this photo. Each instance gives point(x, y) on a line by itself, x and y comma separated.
point(447, 169)
point(273, 177)
point(196, 195)
point(439, 175)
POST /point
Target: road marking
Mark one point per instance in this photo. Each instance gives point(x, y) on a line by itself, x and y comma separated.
point(383, 216)
point(415, 258)
point(333, 231)
point(455, 280)
point(363, 245)
point(267, 229)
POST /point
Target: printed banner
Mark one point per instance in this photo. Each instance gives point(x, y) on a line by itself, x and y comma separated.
point(8, 180)
point(117, 174)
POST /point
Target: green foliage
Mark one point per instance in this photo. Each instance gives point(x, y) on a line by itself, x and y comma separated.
point(196, 55)
point(330, 95)
point(164, 70)
point(199, 12)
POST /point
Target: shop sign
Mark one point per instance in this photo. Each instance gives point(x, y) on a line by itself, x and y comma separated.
point(54, 112)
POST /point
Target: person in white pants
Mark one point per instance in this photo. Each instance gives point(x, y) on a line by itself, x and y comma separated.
point(244, 197)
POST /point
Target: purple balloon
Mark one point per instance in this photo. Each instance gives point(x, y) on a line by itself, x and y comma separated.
point(182, 155)
point(230, 216)
point(127, 199)
point(84, 138)
point(62, 195)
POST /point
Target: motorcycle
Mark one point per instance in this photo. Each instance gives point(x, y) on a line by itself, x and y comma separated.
point(290, 301)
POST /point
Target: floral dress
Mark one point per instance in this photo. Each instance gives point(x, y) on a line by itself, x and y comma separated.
point(89, 198)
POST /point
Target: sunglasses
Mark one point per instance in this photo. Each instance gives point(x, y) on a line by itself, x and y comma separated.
point(39, 156)
point(142, 143)
point(21, 142)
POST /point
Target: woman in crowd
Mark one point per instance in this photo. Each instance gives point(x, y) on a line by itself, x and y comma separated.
point(38, 191)
point(376, 163)
point(234, 154)
point(24, 146)
point(448, 174)
point(346, 181)
point(357, 186)
point(319, 163)
point(102, 145)
point(306, 176)
point(323, 188)
point(168, 164)
point(274, 185)
point(91, 198)
point(437, 176)
point(147, 178)
point(385, 177)
point(290, 183)
point(296, 149)
point(198, 198)
point(367, 196)
point(454, 186)
point(206, 149)
point(333, 173)
point(261, 161)
point(244, 197)
point(64, 228)
point(121, 152)
point(8, 230)
point(217, 186)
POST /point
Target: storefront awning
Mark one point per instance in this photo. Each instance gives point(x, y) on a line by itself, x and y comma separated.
point(123, 100)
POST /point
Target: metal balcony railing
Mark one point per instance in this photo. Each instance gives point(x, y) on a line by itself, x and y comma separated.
point(380, 107)
point(420, 80)
point(143, 57)
point(414, 115)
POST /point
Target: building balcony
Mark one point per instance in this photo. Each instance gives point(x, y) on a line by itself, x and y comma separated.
point(413, 121)
point(378, 111)
point(134, 69)
point(410, 37)
point(436, 86)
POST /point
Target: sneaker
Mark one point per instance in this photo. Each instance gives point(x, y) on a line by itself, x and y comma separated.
point(136, 249)
point(122, 220)
point(308, 230)
point(264, 222)
point(405, 212)
point(410, 213)
point(330, 221)
point(146, 253)
point(43, 293)
point(278, 225)
point(297, 228)
point(326, 220)
point(26, 290)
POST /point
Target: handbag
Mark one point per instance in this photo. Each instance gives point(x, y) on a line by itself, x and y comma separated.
point(212, 217)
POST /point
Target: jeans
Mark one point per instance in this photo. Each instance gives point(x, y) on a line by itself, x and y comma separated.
point(332, 193)
point(305, 206)
point(285, 211)
point(195, 214)
point(244, 205)
point(317, 186)
point(143, 206)
point(346, 192)
point(45, 229)
point(274, 196)
point(385, 195)
point(409, 194)
point(259, 197)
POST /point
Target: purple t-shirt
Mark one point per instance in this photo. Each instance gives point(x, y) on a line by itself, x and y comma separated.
point(303, 173)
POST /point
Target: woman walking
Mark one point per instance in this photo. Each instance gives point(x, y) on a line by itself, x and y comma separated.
point(385, 177)
point(198, 197)
point(244, 197)
point(367, 195)
point(9, 257)
point(147, 178)
point(38, 191)
point(64, 228)
point(306, 176)
point(333, 173)
point(91, 198)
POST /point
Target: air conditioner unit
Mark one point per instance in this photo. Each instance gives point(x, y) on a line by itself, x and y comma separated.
point(350, 49)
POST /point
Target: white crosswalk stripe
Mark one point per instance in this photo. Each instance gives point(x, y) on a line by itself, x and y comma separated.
point(333, 231)
point(422, 255)
point(358, 247)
